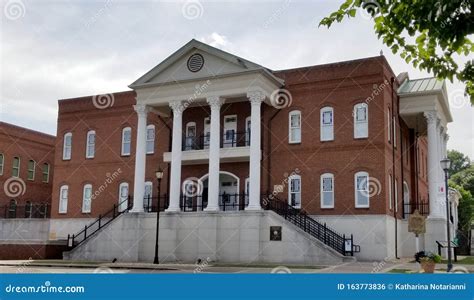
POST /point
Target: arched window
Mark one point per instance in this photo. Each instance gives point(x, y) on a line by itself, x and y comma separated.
point(126, 141)
point(294, 126)
point(361, 183)
point(87, 198)
point(31, 170)
point(294, 191)
point(327, 190)
point(16, 167)
point(361, 121)
point(123, 196)
point(327, 124)
point(90, 144)
point(63, 199)
point(2, 158)
point(148, 195)
point(150, 139)
point(67, 146)
point(46, 172)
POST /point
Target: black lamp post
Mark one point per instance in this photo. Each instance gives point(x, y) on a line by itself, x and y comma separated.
point(445, 164)
point(159, 176)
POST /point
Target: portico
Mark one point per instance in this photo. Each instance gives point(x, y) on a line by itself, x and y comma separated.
point(199, 75)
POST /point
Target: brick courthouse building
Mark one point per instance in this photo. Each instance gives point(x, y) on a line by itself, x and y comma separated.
point(351, 144)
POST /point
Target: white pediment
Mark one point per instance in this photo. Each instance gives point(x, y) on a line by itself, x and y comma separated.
point(211, 62)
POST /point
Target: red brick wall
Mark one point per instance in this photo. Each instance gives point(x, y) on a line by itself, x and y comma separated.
point(27, 145)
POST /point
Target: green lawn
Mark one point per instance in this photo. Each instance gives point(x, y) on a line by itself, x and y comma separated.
point(469, 260)
point(400, 271)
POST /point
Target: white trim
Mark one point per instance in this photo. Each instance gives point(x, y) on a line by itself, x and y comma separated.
point(361, 174)
point(28, 170)
point(248, 121)
point(150, 140)
point(361, 127)
point(396, 194)
point(89, 134)
point(62, 209)
point(43, 173)
point(326, 130)
point(122, 198)
point(84, 199)
point(290, 179)
point(67, 155)
point(123, 153)
point(323, 176)
point(390, 187)
point(298, 127)
point(189, 143)
point(205, 176)
point(389, 125)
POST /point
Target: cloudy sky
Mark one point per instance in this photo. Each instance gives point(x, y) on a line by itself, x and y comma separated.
point(60, 49)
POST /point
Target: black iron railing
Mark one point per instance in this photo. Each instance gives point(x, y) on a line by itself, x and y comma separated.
point(422, 207)
point(151, 203)
point(339, 242)
point(230, 139)
point(33, 211)
point(227, 202)
point(102, 221)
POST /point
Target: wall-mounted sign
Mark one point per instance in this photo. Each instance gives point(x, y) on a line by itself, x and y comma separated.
point(416, 223)
point(275, 233)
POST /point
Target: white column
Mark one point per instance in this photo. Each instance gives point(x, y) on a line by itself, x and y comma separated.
point(176, 153)
point(215, 103)
point(256, 98)
point(140, 158)
point(433, 163)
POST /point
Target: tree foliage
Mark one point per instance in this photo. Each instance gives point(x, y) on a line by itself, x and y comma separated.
point(430, 34)
point(459, 161)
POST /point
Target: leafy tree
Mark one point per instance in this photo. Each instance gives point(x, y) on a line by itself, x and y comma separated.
point(465, 179)
point(465, 216)
point(428, 33)
point(459, 161)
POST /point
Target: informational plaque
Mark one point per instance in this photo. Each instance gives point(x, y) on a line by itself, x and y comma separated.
point(416, 223)
point(275, 233)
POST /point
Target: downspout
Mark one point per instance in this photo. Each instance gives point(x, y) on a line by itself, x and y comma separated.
point(395, 208)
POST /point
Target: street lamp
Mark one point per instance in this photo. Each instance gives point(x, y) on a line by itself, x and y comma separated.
point(159, 176)
point(445, 165)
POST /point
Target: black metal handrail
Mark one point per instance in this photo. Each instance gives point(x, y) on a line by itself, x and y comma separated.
point(236, 139)
point(422, 207)
point(103, 219)
point(150, 203)
point(33, 211)
point(321, 231)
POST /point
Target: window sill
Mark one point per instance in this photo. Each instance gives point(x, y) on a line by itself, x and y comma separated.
point(295, 143)
point(361, 138)
point(325, 141)
point(327, 207)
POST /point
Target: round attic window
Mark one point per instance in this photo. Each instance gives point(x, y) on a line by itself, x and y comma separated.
point(195, 62)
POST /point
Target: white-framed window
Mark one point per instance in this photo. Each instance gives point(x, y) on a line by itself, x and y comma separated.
point(390, 185)
point(248, 123)
point(294, 125)
point(327, 190)
point(90, 144)
point(2, 159)
point(67, 146)
point(126, 141)
point(87, 198)
point(327, 124)
point(63, 198)
point(361, 183)
point(123, 196)
point(150, 139)
point(16, 167)
point(190, 139)
point(361, 121)
point(147, 196)
point(389, 127)
point(294, 191)
point(31, 170)
point(394, 132)
point(396, 193)
point(46, 172)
